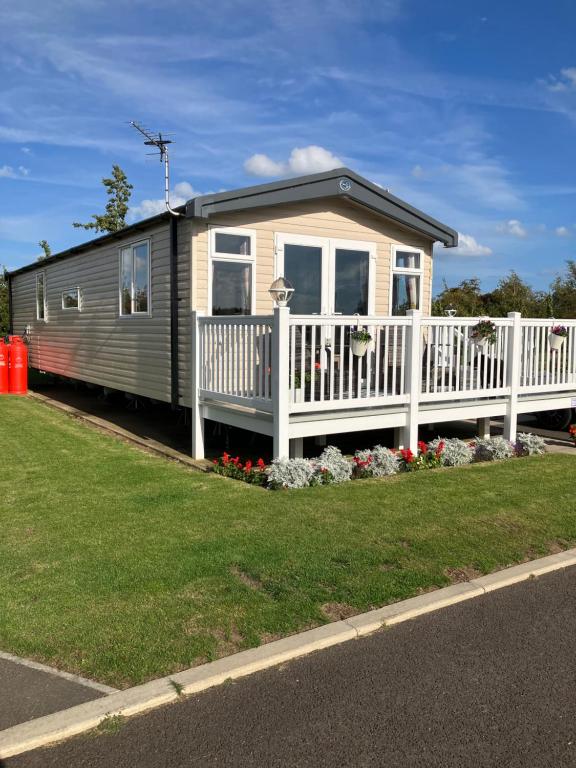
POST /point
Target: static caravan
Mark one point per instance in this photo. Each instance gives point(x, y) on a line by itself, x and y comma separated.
point(178, 309)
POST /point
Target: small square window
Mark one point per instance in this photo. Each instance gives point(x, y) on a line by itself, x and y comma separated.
point(408, 259)
point(71, 298)
point(238, 245)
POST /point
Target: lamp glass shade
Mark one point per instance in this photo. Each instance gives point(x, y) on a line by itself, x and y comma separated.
point(281, 291)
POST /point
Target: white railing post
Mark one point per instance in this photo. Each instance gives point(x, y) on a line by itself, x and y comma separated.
point(197, 419)
point(413, 378)
point(514, 360)
point(281, 380)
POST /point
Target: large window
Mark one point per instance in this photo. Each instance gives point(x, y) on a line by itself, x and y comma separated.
point(407, 276)
point(41, 296)
point(232, 255)
point(135, 279)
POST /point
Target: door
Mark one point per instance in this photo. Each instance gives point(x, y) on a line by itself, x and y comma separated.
point(329, 276)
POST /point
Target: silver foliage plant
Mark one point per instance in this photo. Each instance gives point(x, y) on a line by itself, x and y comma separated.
point(291, 473)
point(332, 461)
point(528, 444)
point(378, 462)
point(493, 449)
point(456, 452)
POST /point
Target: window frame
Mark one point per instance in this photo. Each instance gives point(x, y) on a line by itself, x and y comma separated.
point(235, 258)
point(44, 319)
point(329, 246)
point(148, 242)
point(73, 309)
point(394, 270)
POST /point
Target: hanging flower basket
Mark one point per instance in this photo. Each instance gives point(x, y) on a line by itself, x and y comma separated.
point(557, 336)
point(484, 333)
point(359, 340)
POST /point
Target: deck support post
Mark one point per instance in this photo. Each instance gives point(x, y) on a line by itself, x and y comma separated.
point(514, 357)
point(197, 419)
point(281, 381)
point(297, 448)
point(413, 378)
point(483, 428)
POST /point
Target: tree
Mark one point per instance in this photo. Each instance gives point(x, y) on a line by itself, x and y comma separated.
point(46, 248)
point(512, 294)
point(466, 299)
point(4, 303)
point(563, 293)
point(118, 190)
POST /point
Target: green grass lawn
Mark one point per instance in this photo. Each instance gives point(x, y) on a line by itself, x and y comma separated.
point(121, 566)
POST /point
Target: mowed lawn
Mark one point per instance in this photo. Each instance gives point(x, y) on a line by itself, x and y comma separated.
point(122, 567)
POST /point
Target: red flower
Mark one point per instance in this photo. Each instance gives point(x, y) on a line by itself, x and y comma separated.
point(422, 447)
point(225, 459)
point(439, 449)
point(261, 464)
point(407, 455)
point(248, 466)
point(317, 366)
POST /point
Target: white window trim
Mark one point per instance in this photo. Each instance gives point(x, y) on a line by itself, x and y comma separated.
point(236, 258)
point(133, 245)
point(45, 298)
point(394, 270)
point(73, 309)
point(328, 246)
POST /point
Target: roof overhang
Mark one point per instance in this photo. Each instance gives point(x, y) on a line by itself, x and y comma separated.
point(339, 183)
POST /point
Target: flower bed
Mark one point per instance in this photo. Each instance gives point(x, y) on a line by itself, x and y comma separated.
point(331, 467)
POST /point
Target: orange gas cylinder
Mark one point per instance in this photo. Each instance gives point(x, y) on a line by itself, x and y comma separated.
point(3, 367)
point(18, 366)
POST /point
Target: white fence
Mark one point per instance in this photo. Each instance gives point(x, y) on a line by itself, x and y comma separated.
point(285, 364)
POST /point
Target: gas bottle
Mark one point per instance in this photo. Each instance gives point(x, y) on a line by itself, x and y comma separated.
point(3, 367)
point(17, 366)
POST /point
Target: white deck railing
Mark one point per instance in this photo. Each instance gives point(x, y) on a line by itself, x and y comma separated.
point(235, 358)
point(285, 364)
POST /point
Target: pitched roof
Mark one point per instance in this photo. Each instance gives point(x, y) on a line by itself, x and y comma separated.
point(339, 183)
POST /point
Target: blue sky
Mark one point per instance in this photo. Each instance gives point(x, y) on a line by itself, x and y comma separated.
point(465, 109)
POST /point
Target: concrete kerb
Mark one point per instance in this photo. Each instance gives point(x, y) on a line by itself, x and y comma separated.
point(84, 717)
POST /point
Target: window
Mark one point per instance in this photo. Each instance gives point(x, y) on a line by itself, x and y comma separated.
point(71, 298)
point(232, 271)
point(407, 277)
point(135, 279)
point(231, 288)
point(41, 296)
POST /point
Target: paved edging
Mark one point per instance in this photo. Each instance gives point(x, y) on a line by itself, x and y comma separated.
point(57, 673)
point(147, 444)
point(61, 725)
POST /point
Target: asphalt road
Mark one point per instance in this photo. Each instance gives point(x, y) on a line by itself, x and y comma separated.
point(27, 693)
point(491, 682)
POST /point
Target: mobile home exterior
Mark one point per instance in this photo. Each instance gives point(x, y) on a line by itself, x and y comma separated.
point(178, 309)
point(116, 311)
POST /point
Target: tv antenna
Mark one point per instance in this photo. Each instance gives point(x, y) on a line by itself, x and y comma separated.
point(161, 144)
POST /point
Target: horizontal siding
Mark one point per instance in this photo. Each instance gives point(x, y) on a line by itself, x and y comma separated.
point(336, 219)
point(97, 345)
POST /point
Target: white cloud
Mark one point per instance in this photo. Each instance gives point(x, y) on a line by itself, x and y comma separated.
point(7, 172)
point(262, 165)
point(562, 231)
point(302, 160)
point(180, 194)
point(512, 227)
point(563, 82)
point(417, 171)
point(469, 246)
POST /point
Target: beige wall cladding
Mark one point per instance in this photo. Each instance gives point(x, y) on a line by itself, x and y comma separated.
point(325, 219)
point(96, 345)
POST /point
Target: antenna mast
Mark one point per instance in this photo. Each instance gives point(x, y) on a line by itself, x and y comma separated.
point(158, 141)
